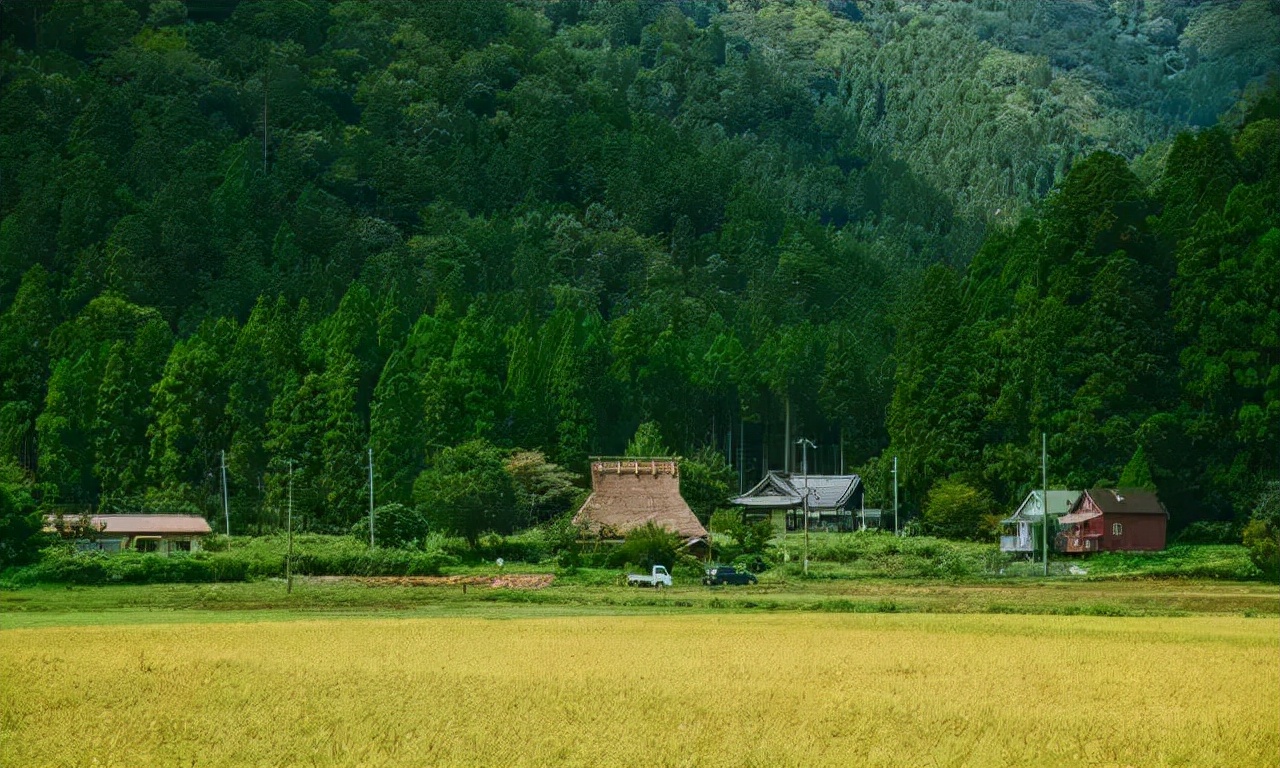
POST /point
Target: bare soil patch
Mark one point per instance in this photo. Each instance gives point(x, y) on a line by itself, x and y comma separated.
point(507, 581)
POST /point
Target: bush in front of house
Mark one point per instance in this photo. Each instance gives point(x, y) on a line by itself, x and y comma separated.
point(246, 559)
point(956, 510)
point(61, 565)
point(647, 546)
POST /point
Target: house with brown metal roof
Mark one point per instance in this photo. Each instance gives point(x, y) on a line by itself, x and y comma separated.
point(162, 534)
point(1113, 520)
point(627, 493)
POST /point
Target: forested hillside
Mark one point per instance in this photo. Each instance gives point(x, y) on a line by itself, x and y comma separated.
point(296, 231)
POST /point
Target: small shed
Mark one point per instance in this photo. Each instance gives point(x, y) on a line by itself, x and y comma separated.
point(1114, 520)
point(1018, 533)
point(627, 493)
point(162, 534)
point(834, 500)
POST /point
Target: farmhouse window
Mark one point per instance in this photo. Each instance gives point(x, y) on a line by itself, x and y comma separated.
point(1117, 529)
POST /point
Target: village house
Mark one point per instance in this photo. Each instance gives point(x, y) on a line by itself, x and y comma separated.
point(627, 493)
point(1113, 520)
point(835, 501)
point(161, 534)
point(1020, 531)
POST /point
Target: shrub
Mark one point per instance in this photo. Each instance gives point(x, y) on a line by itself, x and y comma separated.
point(467, 491)
point(60, 564)
point(20, 524)
point(531, 546)
point(1263, 543)
point(647, 546)
point(956, 510)
point(1262, 534)
point(1210, 532)
point(314, 555)
point(395, 525)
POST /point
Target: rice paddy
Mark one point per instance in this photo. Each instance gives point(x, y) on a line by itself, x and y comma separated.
point(733, 689)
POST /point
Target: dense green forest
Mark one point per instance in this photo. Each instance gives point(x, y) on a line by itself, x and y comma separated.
point(298, 231)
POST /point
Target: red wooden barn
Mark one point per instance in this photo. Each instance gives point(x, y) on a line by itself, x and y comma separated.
point(1113, 520)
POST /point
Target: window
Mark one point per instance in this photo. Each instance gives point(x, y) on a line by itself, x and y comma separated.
point(179, 546)
point(1117, 529)
point(147, 545)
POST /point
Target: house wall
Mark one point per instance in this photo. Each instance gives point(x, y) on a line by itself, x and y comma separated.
point(167, 544)
point(1145, 532)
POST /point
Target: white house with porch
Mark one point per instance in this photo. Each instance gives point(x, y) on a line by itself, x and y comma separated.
point(1018, 531)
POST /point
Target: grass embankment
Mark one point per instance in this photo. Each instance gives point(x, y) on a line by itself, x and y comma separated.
point(833, 557)
point(849, 573)
point(746, 689)
point(583, 593)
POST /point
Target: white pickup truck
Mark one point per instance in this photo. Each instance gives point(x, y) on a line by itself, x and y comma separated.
point(658, 578)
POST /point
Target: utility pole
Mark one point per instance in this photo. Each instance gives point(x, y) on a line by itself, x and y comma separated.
point(226, 507)
point(1044, 483)
point(288, 560)
point(842, 448)
point(370, 497)
point(895, 495)
point(786, 440)
point(742, 438)
point(266, 88)
point(805, 444)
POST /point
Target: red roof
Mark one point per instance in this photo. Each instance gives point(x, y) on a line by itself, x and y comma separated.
point(151, 525)
point(1078, 517)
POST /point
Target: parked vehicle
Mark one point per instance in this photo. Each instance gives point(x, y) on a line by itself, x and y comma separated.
point(727, 574)
point(658, 578)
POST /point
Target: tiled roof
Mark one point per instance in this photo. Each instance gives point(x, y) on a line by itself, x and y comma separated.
point(780, 491)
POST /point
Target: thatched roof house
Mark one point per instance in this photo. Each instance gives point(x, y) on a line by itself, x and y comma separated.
point(627, 493)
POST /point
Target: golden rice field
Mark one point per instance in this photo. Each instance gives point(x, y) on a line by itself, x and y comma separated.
point(704, 690)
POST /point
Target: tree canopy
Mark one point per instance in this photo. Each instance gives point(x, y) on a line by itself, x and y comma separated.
point(300, 231)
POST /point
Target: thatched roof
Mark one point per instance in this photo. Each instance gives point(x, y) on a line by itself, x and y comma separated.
point(627, 493)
